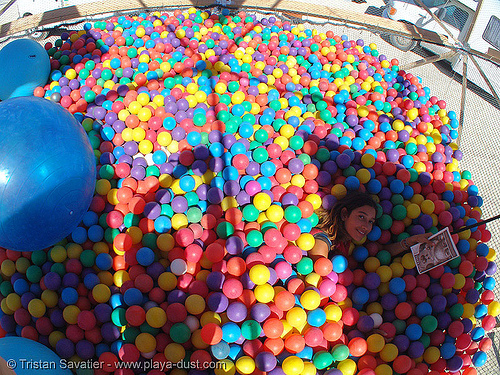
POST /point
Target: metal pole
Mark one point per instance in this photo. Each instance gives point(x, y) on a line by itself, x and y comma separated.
point(462, 100)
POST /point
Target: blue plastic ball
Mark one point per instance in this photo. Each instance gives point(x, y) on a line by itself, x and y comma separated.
point(132, 296)
point(339, 263)
point(104, 261)
point(479, 358)
point(413, 332)
point(47, 189)
point(69, 296)
point(220, 350)
point(316, 318)
point(24, 65)
point(145, 256)
point(397, 285)
point(231, 332)
point(448, 350)
point(360, 295)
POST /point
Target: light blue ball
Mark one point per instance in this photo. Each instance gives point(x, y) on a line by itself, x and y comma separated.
point(339, 263)
point(24, 65)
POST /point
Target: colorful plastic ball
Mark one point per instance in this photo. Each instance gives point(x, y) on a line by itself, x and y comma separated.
point(479, 358)
point(259, 274)
point(296, 317)
point(292, 365)
point(340, 352)
point(357, 347)
point(375, 343)
point(50, 205)
point(339, 263)
point(322, 360)
point(245, 365)
point(25, 65)
point(265, 361)
point(316, 318)
point(310, 300)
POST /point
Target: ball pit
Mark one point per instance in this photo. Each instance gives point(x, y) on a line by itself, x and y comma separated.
point(216, 139)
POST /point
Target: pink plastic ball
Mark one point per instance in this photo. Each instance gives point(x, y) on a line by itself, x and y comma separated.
point(283, 270)
point(232, 288)
point(327, 287)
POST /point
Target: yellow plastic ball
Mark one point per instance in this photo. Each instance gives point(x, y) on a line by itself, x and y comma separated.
point(375, 343)
point(347, 367)
point(407, 261)
point(389, 352)
point(398, 125)
point(220, 88)
point(333, 313)
point(287, 130)
point(225, 367)
point(70, 74)
point(58, 253)
point(145, 342)
point(70, 314)
point(179, 221)
point(195, 304)
point(412, 114)
point(145, 146)
point(101, 293)
point(138, 134)
point(494, 308)
point(264, 293)
point(119, 277)
point(13, 301)
point(156, 317)
point(275, 213)
point(259, 274)
point(296, 316)
point(245, 365)
point(4, 307)
point(8, 267)
point(262, 201)
point(427, 206)
point(293, 365)
point(431, 355)
point(37, 308)
point(143, 98)
point(383, 369)
point(397, 269)
point(371, 264)
point(305, 241)
point(363, 175)
point(50, 298)
point(413, 211)
point(310, 300)
point(339, 191)
point(174, 352)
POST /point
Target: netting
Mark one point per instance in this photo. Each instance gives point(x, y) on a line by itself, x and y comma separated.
point(477, 106)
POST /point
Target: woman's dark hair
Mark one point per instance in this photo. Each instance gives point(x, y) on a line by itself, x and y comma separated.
point(331, 221)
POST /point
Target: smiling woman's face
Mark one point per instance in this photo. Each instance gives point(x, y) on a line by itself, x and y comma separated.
point(359, 222)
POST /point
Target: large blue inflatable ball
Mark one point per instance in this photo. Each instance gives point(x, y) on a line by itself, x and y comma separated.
point(24, 65)
point(22, 356)
point(47, 173)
